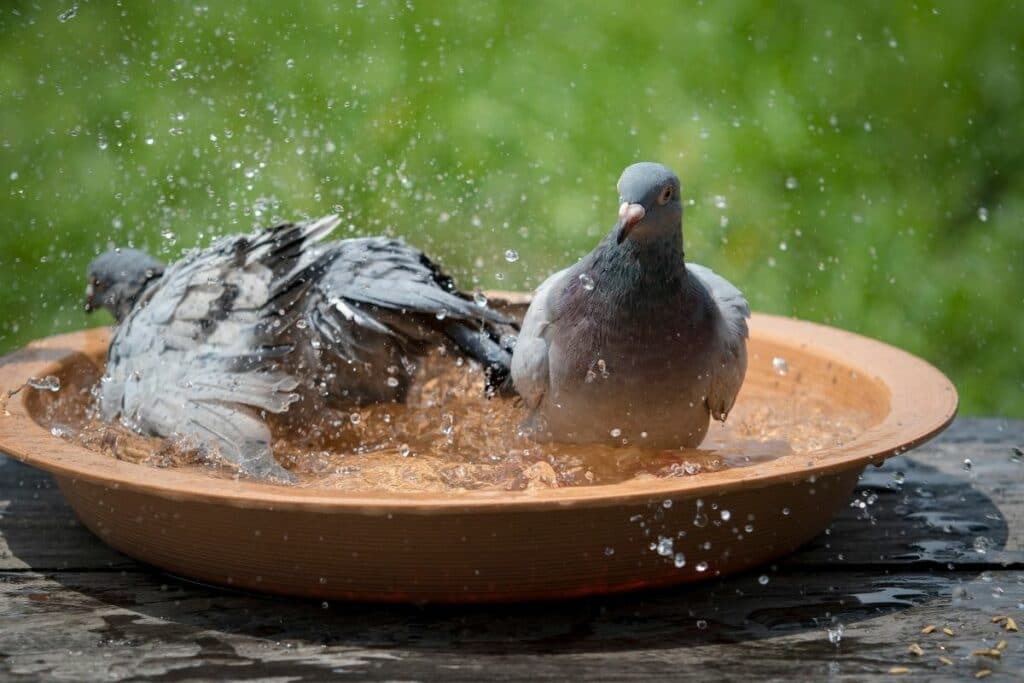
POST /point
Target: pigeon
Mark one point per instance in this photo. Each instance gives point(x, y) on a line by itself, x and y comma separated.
point(632, 344)
point(275, 321)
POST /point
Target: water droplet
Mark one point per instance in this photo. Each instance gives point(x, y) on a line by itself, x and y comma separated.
point(68, 14)
point(982, 214)
point(479, 298)
point(835, 635)
point(968, 464)
point(720, 202)
point(404, 450)
point(701, 623)
point(447, 424)
point(392, 382)
point(1016, 454)
point(679, 560)
point(609, 551)
point(667, 503)
point(511, 255)
point(763, 579)
point(48, 383)
point(587, 282)
point(791, 183)
point(324, 605)
point(783, 246)
point(701, 566)
point(982, 544)
point(354, 418)
point(780, 365)
point(664, 546)
point(149, 139)
point(725, 515)
point(290, 63)
point(616, 433)
point(785, 512)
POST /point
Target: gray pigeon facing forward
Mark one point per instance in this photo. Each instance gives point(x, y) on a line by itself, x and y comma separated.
point(631, 343)
point(270, 322)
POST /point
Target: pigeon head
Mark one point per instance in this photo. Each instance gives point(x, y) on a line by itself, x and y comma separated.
point(650, 203)
point(117, 278)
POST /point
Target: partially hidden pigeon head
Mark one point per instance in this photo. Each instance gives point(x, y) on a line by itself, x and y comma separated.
point(117, 278)
point(650, 203)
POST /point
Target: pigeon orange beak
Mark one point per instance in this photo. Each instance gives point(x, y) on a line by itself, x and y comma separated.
point(629, 216)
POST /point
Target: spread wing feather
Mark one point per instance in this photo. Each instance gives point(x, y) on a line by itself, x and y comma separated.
point(198, 357)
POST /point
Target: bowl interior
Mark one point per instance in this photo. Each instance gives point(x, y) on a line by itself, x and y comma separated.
point(882, 400)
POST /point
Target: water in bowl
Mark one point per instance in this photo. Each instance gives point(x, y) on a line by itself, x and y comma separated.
point(448, 436)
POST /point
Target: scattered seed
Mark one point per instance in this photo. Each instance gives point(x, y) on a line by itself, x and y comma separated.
point(930, 628)
point(1011, 625)
point(947, 630)
point(984, 673)
point(916, 649)
point(899, 670)
point(946, 660)
point(987, 653)
point(1001, 645)
point(998, 618)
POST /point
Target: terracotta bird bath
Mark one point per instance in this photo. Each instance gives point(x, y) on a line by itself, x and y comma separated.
point(481, 546)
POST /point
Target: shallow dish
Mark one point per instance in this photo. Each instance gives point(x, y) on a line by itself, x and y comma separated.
point(479, 546)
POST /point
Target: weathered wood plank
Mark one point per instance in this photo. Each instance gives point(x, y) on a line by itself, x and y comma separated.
point(114, 625)
point(39, 530)
point(941, 513)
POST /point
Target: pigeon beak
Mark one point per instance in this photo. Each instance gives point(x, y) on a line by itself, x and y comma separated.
point(629, 216)
point(90, 295)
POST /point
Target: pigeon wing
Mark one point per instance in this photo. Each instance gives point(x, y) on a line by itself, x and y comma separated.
point(201, 356)
point(530, 372)
point(382, 291)
point(730, 365)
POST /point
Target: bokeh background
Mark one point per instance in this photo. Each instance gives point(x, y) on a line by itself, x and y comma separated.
point(858, 164)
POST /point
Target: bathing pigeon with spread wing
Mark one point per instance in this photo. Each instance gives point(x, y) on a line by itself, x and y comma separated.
point(274, 322)
point(632, 344)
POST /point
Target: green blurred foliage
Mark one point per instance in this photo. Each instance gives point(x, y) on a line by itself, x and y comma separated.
point(859, 164)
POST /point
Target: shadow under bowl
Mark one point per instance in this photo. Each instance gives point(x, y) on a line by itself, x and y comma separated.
point(491, 546)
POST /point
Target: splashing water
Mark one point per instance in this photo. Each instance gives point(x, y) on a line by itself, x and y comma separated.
point(448, 436)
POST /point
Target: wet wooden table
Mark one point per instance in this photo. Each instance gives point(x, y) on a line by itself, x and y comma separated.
point(935, 537)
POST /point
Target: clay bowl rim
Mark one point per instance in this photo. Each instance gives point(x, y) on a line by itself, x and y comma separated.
point(922, 402)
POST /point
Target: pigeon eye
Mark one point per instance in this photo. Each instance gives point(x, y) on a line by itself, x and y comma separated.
point(666, 195)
